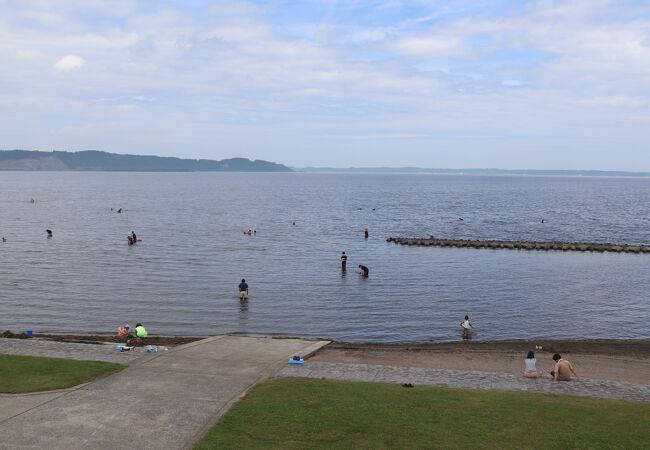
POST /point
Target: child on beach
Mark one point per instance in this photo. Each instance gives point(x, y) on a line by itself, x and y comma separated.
point(124, 331)
point(466, 326)
point(531, 370)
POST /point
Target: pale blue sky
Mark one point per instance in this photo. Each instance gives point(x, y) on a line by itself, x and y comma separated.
point(513, 84)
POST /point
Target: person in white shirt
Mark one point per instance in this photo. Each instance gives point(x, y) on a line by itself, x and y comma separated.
point(466, 327)
point(531, 371)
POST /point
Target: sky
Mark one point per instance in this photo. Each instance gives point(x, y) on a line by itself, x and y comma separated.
point(542, 84)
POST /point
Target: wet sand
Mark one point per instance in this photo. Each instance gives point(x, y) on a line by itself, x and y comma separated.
point(627, 361)
point(169, 341)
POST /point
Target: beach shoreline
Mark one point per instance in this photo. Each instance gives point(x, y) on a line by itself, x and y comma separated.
point(620, 347)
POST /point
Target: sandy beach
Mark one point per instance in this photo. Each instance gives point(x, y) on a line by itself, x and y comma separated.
point(614, 360)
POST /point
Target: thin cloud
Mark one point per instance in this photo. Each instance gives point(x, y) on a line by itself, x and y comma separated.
point(69, 62)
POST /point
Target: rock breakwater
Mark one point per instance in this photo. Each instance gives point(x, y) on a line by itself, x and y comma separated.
point(521, 245)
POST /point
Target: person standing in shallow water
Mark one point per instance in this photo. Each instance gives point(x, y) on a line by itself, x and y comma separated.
point(366, 234)
point(466, 327)
point(344, 261)
point(243, 290)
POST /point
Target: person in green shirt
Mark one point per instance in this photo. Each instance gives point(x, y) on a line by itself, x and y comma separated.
point(140, 331)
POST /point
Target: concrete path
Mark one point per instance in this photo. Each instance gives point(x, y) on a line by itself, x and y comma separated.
point(468, 379)
point(163, 401)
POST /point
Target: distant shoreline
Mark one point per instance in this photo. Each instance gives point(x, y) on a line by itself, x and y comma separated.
point(479, 172)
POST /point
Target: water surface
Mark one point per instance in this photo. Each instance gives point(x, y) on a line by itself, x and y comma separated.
point(182, 278)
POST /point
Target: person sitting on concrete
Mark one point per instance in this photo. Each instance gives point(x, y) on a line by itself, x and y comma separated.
point(531, 370)
point(243, 290)
point(563, 369)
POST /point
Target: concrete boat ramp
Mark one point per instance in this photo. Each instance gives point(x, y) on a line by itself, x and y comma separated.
point(164, 400)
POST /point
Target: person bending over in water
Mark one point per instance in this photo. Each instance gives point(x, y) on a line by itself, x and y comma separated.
point(49, 232)
point(563, 369)
point(364, 271)
point(243, 290)
point(466, 327)
point(531, 370)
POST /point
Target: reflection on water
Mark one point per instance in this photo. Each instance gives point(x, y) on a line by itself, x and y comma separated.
point(193, 254)
point(243, 314)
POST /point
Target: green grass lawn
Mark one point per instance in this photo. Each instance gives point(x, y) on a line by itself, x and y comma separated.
point(299, 413)
point(20, 374)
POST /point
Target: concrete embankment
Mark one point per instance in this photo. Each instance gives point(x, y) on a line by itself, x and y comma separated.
point(521, 245)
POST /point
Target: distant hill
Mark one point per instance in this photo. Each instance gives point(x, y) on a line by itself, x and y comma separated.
point(92, 160)
point(530, 172)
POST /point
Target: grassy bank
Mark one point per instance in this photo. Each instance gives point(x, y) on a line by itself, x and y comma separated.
point(19, 374)
point(288, 413)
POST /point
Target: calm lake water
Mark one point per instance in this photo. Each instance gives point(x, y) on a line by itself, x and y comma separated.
point(182, 278)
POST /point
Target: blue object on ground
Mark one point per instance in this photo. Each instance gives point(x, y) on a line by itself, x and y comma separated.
point(29, 332)
point(296, 362)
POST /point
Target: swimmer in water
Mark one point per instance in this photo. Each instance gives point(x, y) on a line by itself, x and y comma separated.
point(364, 271)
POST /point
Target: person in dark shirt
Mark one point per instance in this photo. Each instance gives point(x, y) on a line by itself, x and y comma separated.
point(135, 238)
point(365, 233)
point(344, 261)
point(243, 290)
point(364, 271)
point(49, 232)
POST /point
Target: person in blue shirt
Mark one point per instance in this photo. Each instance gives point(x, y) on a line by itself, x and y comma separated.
point(243, 290)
